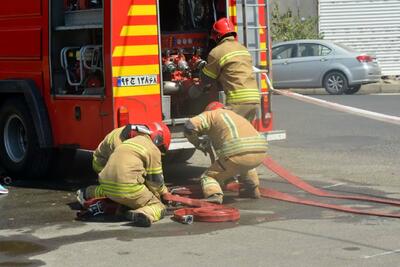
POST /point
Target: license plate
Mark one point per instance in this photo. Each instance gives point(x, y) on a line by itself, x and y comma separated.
point(136, 80)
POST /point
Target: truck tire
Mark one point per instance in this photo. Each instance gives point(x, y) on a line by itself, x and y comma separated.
point(179, 156)
point(20, 153)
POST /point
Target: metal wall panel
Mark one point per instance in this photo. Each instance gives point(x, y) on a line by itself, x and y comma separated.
point(365, 25)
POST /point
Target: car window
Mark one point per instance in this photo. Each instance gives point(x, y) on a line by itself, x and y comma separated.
point(313, 50)
point(284, 51)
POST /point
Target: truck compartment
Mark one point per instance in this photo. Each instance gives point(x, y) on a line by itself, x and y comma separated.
point(185, 27)
point(77, 51)
point(77, 47)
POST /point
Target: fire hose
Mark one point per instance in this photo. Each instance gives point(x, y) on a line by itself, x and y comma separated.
point(202, 211)
point(206, 212)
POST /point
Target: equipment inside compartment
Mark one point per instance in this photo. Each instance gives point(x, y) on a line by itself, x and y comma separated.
point(185, 27)
point(77, 42)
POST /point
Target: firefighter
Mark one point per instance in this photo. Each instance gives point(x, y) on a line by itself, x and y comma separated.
point(230, 67)
point(238, 145)
point(130, 171)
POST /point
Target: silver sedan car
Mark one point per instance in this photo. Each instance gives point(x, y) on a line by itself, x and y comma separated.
point(320, 63)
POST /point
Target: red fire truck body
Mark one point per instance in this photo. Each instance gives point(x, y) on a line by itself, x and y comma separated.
point(73, 70)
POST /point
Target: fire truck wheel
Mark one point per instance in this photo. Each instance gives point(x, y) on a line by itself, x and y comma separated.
point(20, 153)
point(179, 156)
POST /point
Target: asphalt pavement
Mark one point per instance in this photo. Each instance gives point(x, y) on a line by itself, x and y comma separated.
point(333, 150)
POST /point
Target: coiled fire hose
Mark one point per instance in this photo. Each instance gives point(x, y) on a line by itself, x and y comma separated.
point(199, 210)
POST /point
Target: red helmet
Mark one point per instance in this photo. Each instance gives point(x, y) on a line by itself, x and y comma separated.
point(221, 28)
point(214, 105)
point(160, 135)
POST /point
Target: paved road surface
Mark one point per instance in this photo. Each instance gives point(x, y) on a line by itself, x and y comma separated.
point(327, 148)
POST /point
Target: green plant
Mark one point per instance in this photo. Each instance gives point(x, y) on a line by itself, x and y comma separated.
point(287, 26)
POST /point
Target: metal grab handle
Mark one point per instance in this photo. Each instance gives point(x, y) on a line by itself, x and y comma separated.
point(94, 61)
point(64, 65)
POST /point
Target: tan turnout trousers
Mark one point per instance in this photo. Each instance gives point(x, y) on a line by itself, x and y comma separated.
point(133, 177)
point(239, 147)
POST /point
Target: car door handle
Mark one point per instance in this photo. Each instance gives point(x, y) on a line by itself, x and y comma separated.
point(323, 59)
point(286, 62)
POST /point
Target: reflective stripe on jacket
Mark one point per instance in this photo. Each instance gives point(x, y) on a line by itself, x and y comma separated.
point(230, 63)
point(137, 161)
point(230, 133)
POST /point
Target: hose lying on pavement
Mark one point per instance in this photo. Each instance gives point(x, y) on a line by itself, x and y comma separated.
point(202, 211)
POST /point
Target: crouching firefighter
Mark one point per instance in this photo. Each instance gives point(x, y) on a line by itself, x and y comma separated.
point(128, 162)
point(238, 145)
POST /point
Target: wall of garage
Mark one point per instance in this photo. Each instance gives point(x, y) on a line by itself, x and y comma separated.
point(367, 26)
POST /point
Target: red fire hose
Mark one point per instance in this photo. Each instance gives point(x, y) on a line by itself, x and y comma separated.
point(296, 181)
point(203, 211)
point(200, 210)
point(230, 214)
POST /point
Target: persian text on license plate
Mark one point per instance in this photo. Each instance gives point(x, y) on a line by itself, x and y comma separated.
point(137, 80)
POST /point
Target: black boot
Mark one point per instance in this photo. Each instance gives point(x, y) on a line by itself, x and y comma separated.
point(138, 219)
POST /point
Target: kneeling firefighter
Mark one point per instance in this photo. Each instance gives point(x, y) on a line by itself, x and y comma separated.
point(128, 162)
point(238, 145)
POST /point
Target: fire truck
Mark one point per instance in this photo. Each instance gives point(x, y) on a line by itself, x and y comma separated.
point(73, 70)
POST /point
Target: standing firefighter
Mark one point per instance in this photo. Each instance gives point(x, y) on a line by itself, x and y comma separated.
point(130, 172)
point(230, 65)
point(239, 147)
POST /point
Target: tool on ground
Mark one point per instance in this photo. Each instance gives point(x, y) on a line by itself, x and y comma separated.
point(98, 206)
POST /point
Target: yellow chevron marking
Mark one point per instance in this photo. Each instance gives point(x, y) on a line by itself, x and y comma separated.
point(264, 83)
point(142, 10)
point(135, 70)
point(139, 30)
point(232, 11)
point(263, 45)
point(136, 90)
point(135, 50)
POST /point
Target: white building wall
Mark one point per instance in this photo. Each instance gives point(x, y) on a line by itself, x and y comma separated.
point(370, 26)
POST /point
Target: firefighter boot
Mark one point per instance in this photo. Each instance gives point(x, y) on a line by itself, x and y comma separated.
point(249, 185)
point(249, 191)
point(137, 218)
point(216, 198)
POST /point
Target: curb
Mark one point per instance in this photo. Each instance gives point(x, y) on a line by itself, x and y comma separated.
point(376, 88)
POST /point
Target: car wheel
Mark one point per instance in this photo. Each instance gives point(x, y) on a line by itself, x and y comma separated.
point(353, 89)
point(335, 83)
point(20, 153)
